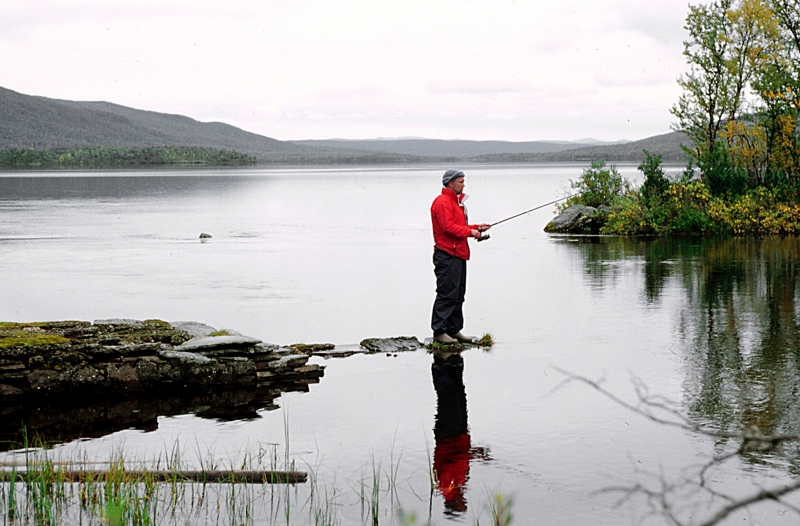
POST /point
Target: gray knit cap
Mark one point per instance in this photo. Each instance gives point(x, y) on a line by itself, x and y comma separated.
point(449, 175)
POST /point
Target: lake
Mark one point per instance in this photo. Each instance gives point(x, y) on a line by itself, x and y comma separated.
point(710, 328)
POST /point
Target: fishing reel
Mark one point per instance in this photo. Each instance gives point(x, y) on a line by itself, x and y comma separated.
point(484, 237)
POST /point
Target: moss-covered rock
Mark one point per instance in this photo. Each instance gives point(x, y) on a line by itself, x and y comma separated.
point(122, 356)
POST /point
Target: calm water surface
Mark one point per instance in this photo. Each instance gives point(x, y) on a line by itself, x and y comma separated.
point(338, 255)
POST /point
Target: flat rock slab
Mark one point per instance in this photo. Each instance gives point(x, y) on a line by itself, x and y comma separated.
point(118, 321)
point(311, 348)
point(292, 360)
point(184, 357)
point(392, 345)
point(207, 343)
point(194, 328)
point(339, 352)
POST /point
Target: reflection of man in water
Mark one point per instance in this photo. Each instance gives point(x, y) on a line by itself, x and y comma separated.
point(452, 453)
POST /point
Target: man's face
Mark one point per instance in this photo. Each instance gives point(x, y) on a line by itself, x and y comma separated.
point(457, 185)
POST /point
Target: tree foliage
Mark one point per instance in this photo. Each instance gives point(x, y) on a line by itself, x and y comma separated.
point(655, 181)
point(121, 157)
point(598, 185)
point(741, 95)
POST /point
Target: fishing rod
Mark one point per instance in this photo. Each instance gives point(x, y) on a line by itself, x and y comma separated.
point(487, 236)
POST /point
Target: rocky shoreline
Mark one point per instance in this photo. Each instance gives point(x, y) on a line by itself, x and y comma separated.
point(120, 357)
point(67, 380)
point(73, 358)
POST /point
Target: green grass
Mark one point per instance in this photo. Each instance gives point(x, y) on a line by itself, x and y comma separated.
point(501, 510)
point(122, 498)
point(27, 335)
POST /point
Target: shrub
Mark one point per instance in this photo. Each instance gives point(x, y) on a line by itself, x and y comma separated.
point(719, 173)
point(680, 210)
point(598, 185)
point(760, 212)
point(655, 182)
point(630, 218)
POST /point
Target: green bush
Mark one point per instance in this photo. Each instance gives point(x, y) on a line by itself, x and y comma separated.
point(598, 185)
point(682, 209)
point(719, 173)
point(655, 182)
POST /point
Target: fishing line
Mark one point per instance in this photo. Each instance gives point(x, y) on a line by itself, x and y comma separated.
point(487, 236)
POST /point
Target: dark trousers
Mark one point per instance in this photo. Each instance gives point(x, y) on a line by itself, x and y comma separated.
point(451, 286)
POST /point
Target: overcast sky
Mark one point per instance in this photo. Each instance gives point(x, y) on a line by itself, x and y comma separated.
point(307, 69)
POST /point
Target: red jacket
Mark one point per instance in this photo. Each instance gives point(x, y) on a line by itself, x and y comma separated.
point(450, 227)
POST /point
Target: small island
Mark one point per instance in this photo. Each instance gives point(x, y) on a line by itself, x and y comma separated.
point(692, 205)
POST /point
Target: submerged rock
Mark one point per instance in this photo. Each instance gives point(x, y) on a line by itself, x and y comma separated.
point(392, 345)
point(311, 348)
point(338, 353)
point(578, 219)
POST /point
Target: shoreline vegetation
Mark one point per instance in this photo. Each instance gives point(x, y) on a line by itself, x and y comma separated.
point(740, 107)
point(685, 207)
point(97, 157)
point(261, 485)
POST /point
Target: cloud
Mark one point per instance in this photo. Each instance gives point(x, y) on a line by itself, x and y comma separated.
point(314, 68)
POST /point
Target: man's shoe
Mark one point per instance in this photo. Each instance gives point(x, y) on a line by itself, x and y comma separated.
point(444, 338)
point(460, 338)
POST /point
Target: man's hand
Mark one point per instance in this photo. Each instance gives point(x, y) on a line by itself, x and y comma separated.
point(483, 227)
point(476, 234)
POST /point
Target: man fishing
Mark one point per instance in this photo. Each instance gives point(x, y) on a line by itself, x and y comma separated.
point(451, 229)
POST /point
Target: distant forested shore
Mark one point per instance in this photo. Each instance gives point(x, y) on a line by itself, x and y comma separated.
point(122, 157)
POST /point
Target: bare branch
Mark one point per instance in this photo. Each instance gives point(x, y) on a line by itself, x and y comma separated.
point(752, 499)
point(664, 499)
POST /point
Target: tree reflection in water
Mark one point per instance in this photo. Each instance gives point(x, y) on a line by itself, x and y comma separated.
point(453, 450)
point(739, 323)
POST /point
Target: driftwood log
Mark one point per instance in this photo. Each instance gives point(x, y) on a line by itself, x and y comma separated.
point(237, 476)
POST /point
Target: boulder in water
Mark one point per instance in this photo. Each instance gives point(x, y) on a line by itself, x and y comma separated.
point(578, 219)
point(392, 345)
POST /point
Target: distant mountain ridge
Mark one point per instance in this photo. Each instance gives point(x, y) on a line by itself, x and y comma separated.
point(454, 148)
point(667, 145)
point(38, 122)
point(28, 121)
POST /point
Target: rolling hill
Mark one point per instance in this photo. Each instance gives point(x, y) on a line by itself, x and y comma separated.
point(668, 145)
point(28, 121)
point(455, 149)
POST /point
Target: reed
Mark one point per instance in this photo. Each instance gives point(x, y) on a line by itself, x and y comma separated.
point(125, 494)
point(501, 510)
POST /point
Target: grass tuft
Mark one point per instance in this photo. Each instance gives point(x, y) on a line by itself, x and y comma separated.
point(485, 341)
